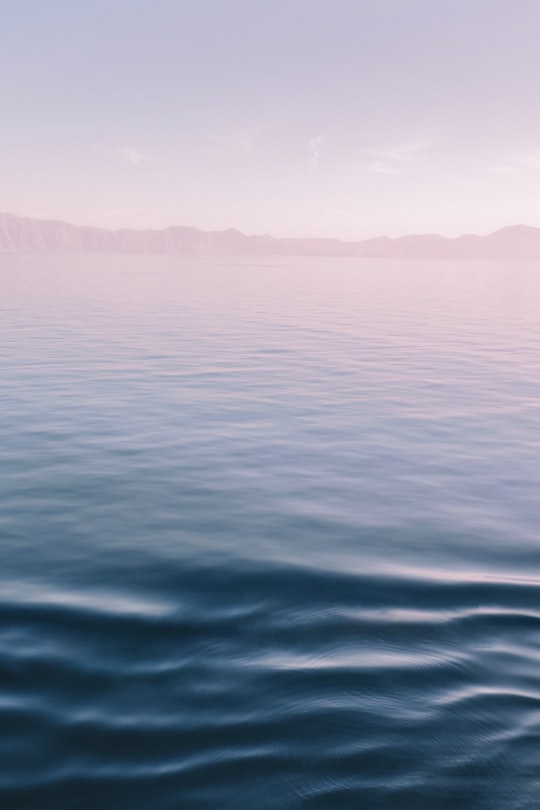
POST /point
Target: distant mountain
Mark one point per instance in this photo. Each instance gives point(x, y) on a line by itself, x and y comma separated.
point(25, 235)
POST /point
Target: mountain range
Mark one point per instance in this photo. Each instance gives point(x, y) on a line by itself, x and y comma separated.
point(26, 235)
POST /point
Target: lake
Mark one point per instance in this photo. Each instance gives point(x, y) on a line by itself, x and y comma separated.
point(269, 534)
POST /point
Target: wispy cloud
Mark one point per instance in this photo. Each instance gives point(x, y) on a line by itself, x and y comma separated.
point(381, 167)
point(314, 145)
point(531, 161)
point(133, 155)
point(394, 159)
point(241, 140)
point(517, 164)
point(508, 169)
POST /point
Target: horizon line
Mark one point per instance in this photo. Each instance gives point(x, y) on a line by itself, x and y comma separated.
point(233, 229)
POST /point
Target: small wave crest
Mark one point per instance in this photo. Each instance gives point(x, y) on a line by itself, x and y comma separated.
point(272, 687)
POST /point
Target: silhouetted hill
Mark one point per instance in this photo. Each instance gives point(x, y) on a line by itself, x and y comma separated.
point(26, 235)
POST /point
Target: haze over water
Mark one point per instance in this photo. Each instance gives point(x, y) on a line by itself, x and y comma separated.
point(269, 534)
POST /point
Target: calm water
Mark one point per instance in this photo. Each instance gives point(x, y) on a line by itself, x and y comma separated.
point(270, 534)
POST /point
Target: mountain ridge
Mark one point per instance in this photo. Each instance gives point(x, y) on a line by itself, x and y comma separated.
point(30, 235)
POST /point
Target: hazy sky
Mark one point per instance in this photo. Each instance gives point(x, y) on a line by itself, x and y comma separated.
point(347, 118)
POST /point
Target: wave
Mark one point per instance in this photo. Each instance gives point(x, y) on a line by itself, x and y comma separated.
point(273, 687)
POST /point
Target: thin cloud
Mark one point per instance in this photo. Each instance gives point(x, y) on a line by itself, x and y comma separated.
point(508, 170)
point(381, 167)
point(394, 159)
point(518, 164)
point(531, 161)
point(242, 140)
point(314, 145)
point(134, 156)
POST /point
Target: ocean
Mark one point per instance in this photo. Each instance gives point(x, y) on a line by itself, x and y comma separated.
point(269, 534)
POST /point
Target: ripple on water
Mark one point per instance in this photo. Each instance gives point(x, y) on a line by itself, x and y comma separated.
point(297, 687)
point(269, 534)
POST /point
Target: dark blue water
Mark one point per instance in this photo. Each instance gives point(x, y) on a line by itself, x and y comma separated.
point(269, 534)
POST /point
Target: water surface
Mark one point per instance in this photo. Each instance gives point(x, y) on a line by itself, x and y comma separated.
point(269, 534)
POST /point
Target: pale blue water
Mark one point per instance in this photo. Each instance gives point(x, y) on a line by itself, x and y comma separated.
point(269, 534)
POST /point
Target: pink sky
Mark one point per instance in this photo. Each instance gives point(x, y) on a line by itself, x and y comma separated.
point(306, 117)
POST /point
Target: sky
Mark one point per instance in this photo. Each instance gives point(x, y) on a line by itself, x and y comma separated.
point(338, 118)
